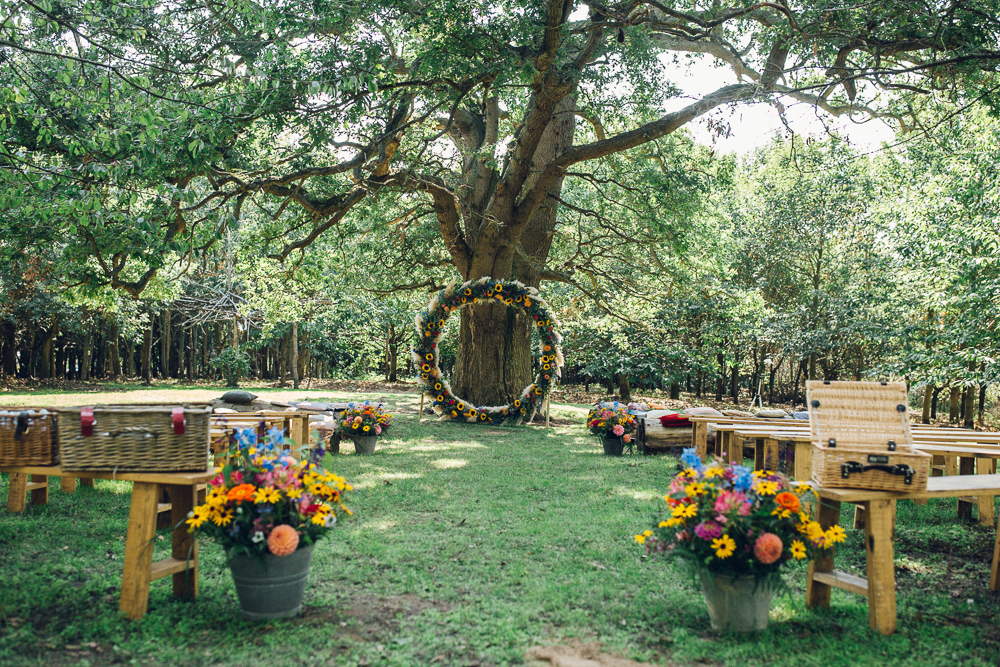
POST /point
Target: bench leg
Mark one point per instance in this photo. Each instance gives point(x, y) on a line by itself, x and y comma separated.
point(699, 439)
point(67, 484)
point(995, 565)
point(139, 549)
point(879, 515)
point(985, 503)
point(87, 481)
point(966, 466)
point(803, 461)
point(817, 594)
point(17, 493)
point(771, 450)
point(40, 496)
point(183, 544)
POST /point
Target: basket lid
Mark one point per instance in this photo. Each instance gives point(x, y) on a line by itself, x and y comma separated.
point(860, 415)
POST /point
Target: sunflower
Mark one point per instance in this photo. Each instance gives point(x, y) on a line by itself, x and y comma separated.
point(498, 288)
point(440, 397)
point(429, 356)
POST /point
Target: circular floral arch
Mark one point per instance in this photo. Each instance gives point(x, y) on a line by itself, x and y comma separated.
point(430, 324)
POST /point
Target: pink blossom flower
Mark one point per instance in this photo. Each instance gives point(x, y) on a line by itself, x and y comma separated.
point(378, 429)
point(708, 530)
point(618, 429)
point(745, 509)
point(627, 438)
point(729, 501)
point(606, 414)
point(236, 478)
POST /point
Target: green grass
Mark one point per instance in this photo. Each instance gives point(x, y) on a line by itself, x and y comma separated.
point(469, 545)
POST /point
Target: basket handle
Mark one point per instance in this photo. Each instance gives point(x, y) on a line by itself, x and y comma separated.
point(22, 424)
point(899, 469)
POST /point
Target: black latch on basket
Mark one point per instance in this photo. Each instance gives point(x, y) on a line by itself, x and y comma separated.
point(832, 442)
point(892, 445)
point(21, 425)
point(899, 469)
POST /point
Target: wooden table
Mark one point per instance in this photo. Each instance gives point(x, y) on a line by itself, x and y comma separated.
point(880, 508)
point(138, 568)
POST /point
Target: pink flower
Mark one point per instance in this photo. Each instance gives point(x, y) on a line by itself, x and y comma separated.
point(378, 429)
point(236, 478)
point(768, 548)
point(627, 438)
point(606, 414)
point(745, 509)
point(708, 530)
point(618, 429)
point(283, 540)
point(729, 501)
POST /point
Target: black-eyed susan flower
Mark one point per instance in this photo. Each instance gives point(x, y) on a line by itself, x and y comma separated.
point(429, 356)
point(498, 287)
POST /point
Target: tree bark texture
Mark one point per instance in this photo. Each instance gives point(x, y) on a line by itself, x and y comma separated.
point(147, 352)
point(293, 357)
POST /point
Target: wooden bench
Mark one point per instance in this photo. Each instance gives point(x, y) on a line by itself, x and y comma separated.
point(880, 510)
point(138, 568)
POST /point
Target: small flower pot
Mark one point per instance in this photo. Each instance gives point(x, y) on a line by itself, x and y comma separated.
point(613, 446)
point(365, 444)
point(272, 586)
point(736, 603)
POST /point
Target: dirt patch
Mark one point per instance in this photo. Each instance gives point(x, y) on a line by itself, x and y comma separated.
point(374, 618)
point(580, 655)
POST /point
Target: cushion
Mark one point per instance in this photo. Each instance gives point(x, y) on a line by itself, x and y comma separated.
point(224, 411)
point(239, 397)
point(703, 412)
point(801, 414)
point(737, 413)
point(775, 413)
point(673, 421)
point(656, 414)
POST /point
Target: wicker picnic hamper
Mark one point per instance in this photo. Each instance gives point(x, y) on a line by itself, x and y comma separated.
point(27, 437)
point(134, 438)
point(861, 437)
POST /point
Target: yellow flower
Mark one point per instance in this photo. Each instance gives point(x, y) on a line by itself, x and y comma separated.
point(199, 516)
point(713, 471)
point(671, 522)
point(767, 488)
point(222, 518)
point(686, 511)
point(835, 535)
point(640, 539)
point(294, 493)
point(527, 302)
point(367, 427)
point(724, 546)
point(264, 494)
point(319, 518)
point(499, 287)
point(647, 533)
point(798, 549)
point(695, 489)
point(781, 513)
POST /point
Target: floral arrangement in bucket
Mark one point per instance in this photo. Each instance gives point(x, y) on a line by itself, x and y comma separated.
point(738, 528)
point(611, 420)
point(364, 419)
point(267, 508)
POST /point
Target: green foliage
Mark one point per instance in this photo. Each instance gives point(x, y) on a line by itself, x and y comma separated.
point(234, 364)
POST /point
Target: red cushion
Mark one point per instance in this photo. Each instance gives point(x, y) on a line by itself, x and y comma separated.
point(671, 421)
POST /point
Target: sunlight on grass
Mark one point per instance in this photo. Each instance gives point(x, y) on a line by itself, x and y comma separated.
point(637, 494)
point(381, 525)
point(444, 446)
point(445, 464)
point(374, 479)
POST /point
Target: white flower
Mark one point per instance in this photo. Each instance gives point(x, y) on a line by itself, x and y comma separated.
point(258, 537)
point(329, 521)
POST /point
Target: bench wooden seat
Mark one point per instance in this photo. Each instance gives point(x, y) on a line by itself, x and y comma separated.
point(138, 568)
point(880, 510)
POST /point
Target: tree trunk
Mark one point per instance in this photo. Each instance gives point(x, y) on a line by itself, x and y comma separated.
point(953, 406)
point(700, 383)
point(9, 348)
point(934, 402)
point(970, 402)
point(47, 370)
point(116, 360)
point(293, 360)
point(925, 416)
point(624, 389)
point(493, 364)
point(393, 353)
point(193, 338)
point(88, 346)
point(720, 386)
point(101, 361)
point(165, 344)
point(147, 351)
point(735, 388)
point(675, 390)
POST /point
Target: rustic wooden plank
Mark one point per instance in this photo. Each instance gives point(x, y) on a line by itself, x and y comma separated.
point(17, 493)
point(167, 567)
point(966, 466)
point(844, 581)
point(184, 547)
point(68, 484)
point(38, 487)
point(881, 572)
point(818, 592)
point(699, 438)
point(148, 477)
point(137, 568)
point(985, 504)
point(803, 461)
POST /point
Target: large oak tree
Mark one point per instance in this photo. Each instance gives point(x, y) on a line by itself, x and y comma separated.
point(135, 133)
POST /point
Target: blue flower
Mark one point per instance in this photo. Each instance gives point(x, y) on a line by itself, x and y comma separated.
point(246, 437)
point(690, 459)
point(742, 478)
point(276, 435)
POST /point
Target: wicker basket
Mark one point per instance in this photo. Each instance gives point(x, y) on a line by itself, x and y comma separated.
point(135, 438)
point(27, 437)
point(861, 437)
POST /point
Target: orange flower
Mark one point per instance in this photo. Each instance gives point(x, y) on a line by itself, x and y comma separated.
point(283, 540)
point(241, 492)
point(788, 501)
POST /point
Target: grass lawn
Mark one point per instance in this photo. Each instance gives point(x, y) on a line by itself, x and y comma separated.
point(470, 545)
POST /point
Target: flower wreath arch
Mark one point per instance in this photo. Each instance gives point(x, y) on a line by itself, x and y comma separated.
point(430, 323)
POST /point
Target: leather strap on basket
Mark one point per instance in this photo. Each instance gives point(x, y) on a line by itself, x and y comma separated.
point(899, 469)
point(177, 415)
point(87, 421)
point(21, 425)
